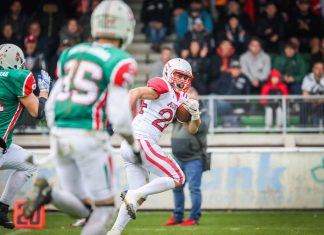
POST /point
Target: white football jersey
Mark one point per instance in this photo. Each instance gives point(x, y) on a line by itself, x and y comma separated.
point(155, 115)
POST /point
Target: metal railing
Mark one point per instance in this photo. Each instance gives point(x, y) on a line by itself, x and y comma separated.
point(242, 114)
point(245, 114)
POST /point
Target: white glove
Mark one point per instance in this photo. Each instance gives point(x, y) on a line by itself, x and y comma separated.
point(192, 106)
point(44, 81)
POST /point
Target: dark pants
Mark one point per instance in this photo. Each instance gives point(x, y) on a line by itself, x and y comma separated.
point(316, 112)
point(193, 171)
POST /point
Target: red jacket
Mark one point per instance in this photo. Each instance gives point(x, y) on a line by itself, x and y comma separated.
point(269, 89)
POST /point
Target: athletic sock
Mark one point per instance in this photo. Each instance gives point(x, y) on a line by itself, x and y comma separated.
point(157, 185)
point(69, 204)
point(122, 218)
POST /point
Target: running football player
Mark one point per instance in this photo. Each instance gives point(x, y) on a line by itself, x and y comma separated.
point(92, 87)
point(159, 102)
point(16, 94)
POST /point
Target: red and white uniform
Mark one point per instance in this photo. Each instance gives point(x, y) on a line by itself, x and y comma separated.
point(153, 117)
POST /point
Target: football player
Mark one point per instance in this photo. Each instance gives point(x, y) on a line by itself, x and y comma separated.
point(16, 94)
point(92, 87)
point(159, 102)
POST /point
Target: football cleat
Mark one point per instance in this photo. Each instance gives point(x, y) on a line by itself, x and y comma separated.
point(79, 223)
point(41, 195)
point(4, 220)
point(130, 199)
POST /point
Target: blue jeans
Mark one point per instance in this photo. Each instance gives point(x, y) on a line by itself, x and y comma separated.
point(156, 36)
point(193, 171)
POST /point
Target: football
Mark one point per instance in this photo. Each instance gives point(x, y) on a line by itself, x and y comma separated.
point(182, 114)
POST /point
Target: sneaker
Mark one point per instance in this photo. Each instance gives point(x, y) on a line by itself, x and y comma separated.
point(170, 222)
point(4, 220)
point(189, 222)
point(41, 195)
point(130, 199)
point(79, 223)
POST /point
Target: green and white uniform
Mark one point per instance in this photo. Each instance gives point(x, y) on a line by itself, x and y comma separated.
point(92, 88)
point(13, 84)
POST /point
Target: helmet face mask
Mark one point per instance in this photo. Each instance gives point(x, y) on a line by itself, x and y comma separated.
point(11, 57)
point(113, 19)
point(179, 74)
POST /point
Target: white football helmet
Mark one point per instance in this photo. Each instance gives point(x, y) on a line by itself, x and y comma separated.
point(113, 19)
point(178, 65)
point(11, 57)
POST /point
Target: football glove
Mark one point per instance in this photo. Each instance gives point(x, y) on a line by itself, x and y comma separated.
point(192, 106)
point(44, 81)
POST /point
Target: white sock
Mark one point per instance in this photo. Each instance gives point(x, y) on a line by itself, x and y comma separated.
point(122, 218)
point(14, 183)
point(70, 204)
point(99, 220)
point(157, 185)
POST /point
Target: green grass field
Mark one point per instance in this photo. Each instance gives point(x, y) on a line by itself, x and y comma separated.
point(212, 223)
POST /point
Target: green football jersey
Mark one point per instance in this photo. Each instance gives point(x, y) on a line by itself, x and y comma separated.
point(13, 84)
point(87, 69)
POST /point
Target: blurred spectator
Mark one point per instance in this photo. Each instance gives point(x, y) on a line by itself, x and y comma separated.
point(313, 84)
point(236, 34)
point(185, 20)
point(220, 61)
point(7, 35)
point(34, 28)
point(234, 7)
point(52, 18)
point(157, 66)
point(273, 109)
point(189, 151)
point(156, 19)
point(317, 51)
point(200, 34)
point(71, 31)
point(199, 64)
point(295, 41)
point(17, 19)
point(35, 60)
point(270, 28)
point(178, 7)
point(292, 67)
point(256, 65)
point(304, 24)
point(64, 44)
point(316, 7)
point(84, 21)
point(234, 82)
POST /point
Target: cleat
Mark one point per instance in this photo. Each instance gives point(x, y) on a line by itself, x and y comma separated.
point(41, 195)
point(190, 222)
point(79, 223)
point(171, 222)
point(130, 200)
point(4, 220)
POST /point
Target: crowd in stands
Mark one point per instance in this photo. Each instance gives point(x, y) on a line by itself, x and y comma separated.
point(233, 46)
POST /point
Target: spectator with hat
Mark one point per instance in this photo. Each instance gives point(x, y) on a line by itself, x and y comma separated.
point(35, 60)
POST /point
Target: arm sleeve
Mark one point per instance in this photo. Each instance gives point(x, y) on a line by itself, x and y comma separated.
point(306, 85)
point(159, 85)
point(24, 84)
point(124, 73)
point(267, 67)
point(50, 104)
point(118, 110)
